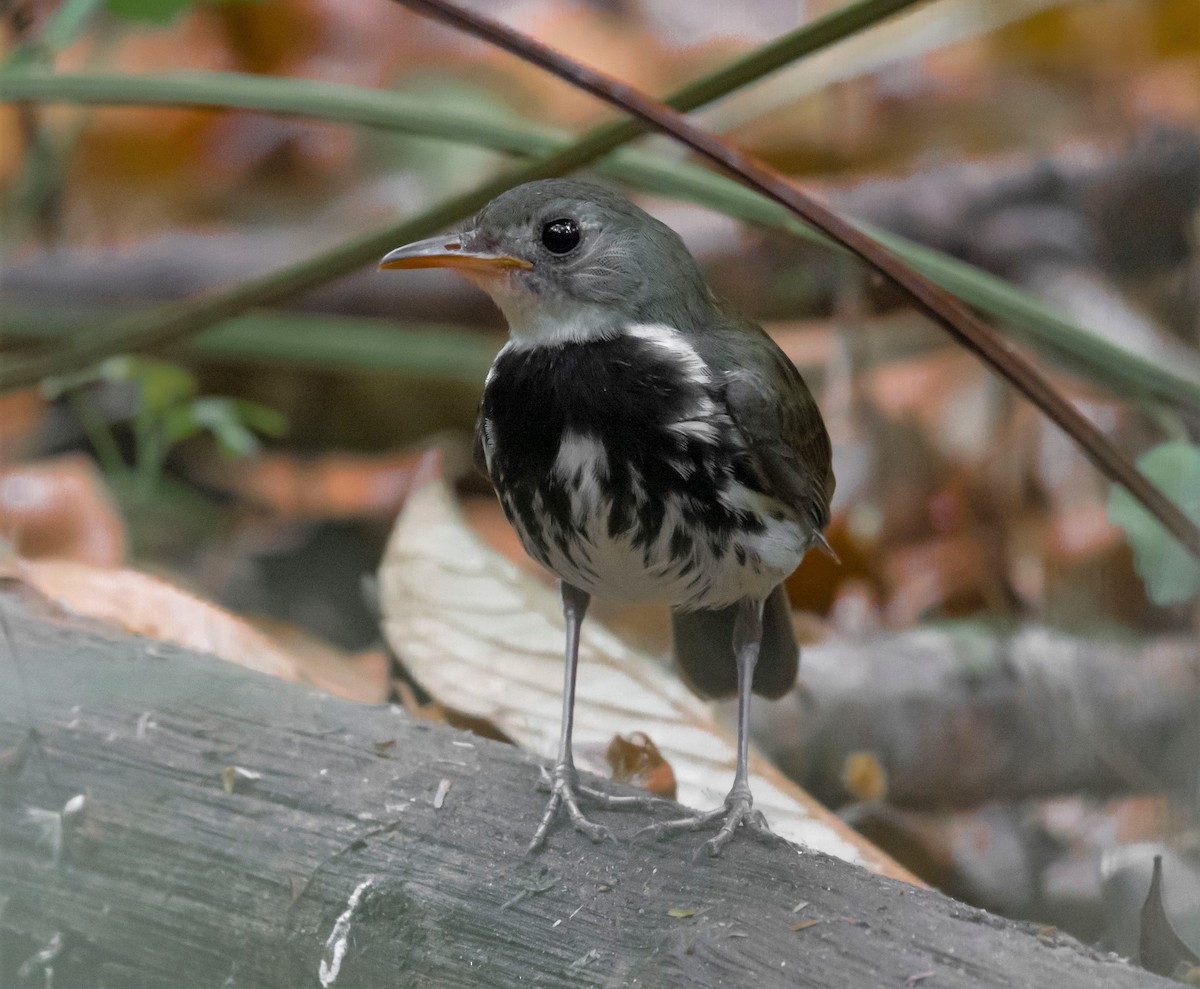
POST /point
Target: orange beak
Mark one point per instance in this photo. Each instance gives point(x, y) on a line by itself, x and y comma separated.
point(447, 252)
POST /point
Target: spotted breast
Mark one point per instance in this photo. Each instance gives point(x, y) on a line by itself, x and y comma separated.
point(619, 467)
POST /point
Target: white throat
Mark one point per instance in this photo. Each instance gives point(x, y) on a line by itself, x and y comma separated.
point(533, 322)
point(550, 321)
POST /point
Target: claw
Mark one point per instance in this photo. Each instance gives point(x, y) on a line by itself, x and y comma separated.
point(566, 791)
point(738, 810)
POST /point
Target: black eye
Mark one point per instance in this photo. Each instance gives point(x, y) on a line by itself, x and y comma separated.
point(560, 236)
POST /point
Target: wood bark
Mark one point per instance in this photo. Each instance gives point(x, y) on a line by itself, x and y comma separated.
point(167, 819)
point(955, 718)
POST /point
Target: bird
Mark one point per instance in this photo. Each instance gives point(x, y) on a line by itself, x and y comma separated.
point(647, 444)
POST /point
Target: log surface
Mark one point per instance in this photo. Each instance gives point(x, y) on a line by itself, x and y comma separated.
point(333, 861)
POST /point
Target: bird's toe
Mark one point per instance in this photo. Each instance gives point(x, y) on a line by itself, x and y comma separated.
point(737, 812)
point(566, 793)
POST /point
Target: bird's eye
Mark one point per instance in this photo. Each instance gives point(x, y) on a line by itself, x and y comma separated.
point(560, 236)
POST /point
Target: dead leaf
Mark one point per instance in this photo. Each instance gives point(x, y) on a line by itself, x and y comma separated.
point(183, 163)
point(331, 486)
point(364, 677)
point(151, 606)
point(486, 639)
point(20, 411)
point(803, 925)
point(61, 508)
point(681, 912)
point(441, 715)
point(817, 582)
point(933, 573)
point(431, 711)
point(12, 146)
point(942, 391)
point(863, 777)
point(636, 760)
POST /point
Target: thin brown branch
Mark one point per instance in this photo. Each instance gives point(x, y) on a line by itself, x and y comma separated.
point(942, 307)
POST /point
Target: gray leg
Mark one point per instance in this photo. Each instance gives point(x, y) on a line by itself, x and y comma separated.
point(565, 788)
point(738, 807)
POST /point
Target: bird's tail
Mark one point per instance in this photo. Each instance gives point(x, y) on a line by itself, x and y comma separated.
point(704, 649)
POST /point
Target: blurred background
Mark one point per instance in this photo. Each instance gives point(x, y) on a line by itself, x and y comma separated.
point(1006, 690)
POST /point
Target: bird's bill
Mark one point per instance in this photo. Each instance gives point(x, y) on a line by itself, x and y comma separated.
point(448, 252)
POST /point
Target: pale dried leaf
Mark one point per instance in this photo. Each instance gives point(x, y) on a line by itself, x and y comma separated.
point(486, 639)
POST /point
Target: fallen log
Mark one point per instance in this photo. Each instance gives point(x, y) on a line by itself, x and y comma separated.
point(167, 819)
point(956, 716)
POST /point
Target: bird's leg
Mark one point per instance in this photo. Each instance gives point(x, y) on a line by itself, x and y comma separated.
point(563, 779)
point(747, 639)
point(738, 808)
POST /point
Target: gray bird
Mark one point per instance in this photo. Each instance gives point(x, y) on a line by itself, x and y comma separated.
point(647, 445)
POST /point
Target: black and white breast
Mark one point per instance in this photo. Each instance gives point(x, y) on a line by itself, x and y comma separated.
point(619, 467)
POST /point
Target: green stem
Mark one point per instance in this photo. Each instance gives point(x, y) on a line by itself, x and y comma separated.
point(170, 324)
point(286, 97)
point(103, 442)
point(1172, 374)
point(68, 23)
point(149, 450)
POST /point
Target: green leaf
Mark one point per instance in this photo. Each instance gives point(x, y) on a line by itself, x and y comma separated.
point(220, 417)
point(148, 11)
point(178, 424)
point(261, 418)
point(161, 384)
point(233, 422)
point(58, 385)
point(1171, 574)
point(158, 12)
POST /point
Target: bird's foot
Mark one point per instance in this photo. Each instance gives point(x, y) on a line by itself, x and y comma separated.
point(738, 810)
point(566, 792)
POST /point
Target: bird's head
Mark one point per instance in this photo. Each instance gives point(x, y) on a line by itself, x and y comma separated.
point(569, 261)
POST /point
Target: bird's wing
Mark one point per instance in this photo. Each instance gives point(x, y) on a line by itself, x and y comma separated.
point(778, 418)
point(478, 453)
